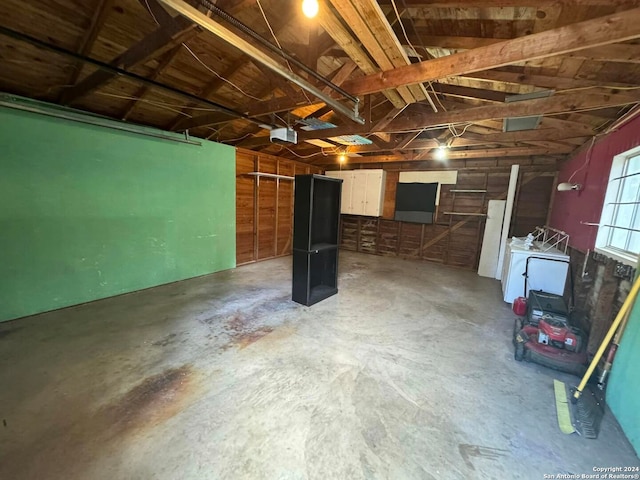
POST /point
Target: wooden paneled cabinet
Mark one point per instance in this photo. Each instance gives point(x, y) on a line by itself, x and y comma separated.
point(316, 217)
point(362, 191)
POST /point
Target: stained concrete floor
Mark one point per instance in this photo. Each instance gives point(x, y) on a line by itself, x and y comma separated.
point(407, 373)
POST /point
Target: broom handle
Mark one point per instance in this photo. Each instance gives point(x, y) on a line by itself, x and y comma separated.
point(621, 314)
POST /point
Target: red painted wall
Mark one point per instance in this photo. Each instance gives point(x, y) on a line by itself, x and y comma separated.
point(571, 208)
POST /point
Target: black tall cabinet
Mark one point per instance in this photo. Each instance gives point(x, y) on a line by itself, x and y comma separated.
point(316, 215)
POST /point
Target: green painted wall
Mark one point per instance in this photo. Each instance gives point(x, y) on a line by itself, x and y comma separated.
point(89, 212)
point(623, 391)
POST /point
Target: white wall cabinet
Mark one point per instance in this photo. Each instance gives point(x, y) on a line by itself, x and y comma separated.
point(362, 191)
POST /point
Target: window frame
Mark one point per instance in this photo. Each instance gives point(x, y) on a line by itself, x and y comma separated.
point(610, 208)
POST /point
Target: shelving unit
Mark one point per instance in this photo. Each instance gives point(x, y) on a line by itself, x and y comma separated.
point(315, 238)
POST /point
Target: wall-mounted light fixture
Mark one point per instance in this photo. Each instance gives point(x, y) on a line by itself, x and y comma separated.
point(310, 8)
point(567, 186)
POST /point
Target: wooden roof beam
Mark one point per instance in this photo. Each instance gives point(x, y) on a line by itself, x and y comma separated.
point(456, 155)
point(615, 28)
point(156, 43)
point(369, 24)
point(544, 106)
point(331, 24)
point(510, 3)
point(164, 62)
point(88, 39)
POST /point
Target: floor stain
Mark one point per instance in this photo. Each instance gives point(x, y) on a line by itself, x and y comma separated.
point(6, 333)
point(89, 433)
point(168, 340)
point(468, 451)
point(151, 402)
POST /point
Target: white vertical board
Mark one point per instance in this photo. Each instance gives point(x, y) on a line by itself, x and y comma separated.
point(506, 224)
point(491, 241)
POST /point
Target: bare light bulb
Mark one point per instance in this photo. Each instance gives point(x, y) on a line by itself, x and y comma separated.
point(310, 8)
point(342, 158)
point(441, 153)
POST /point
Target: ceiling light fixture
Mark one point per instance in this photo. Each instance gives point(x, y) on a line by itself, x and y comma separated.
point(566, 186)
point(342, 158)
point(310, 8)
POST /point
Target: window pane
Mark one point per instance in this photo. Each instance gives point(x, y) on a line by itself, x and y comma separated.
point(618, 238)
point(624, 216)
point(630, 189)
point(634, 164)
point(634, 245)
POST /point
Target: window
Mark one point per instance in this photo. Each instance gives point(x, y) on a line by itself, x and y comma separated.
point(619, 230)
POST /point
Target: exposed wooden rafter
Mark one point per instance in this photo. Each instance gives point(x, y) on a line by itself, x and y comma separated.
point(172, 31)
point(545, 106)
point(86, 43)
point(614, 28)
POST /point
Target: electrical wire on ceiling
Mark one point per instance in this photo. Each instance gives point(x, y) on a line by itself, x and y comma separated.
point(218, 75)
point(455, 133)
point(169, 106)
point(236, 139)
point(597, 86)
point(274, 48)
point(199, 60)
point(406, 37)
point(114, 70)
point(321, 152)
point(273, 34)
point(151, 12)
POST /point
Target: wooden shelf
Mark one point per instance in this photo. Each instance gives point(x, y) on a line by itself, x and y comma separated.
point(270, 175)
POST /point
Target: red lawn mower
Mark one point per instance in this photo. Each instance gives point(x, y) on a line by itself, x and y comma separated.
point(544, 335)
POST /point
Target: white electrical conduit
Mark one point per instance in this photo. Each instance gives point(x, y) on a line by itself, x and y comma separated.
point(224, 33)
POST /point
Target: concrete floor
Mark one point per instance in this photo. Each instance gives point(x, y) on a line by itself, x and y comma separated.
point(407, 373)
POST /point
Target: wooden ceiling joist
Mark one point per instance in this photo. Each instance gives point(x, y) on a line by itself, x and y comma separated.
point(331, 24)
point(367, 21)
point(164, 62)
point(492, 153)
point(161, 40)
point(615, 28)
point(97, 20)
point(544, 106)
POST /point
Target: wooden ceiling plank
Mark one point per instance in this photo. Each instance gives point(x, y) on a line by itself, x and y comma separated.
point(152, 45)
point(468, 92)
point(614, 28)
point(622, 53)
point(542, 81)
point(383, 33)
point(545, 106)
point(492, 153)
point(331, 24)
point(88, 39)
point(165, 61)
point(509, 3)
point(361, 29)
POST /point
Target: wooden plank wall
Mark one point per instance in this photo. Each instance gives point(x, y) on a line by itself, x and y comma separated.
point(451, 240)
point(264, 206)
